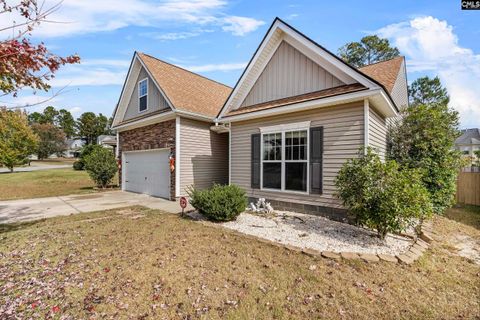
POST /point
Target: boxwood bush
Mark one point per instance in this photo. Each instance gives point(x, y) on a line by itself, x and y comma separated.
point(78, 165)
point(220, 202)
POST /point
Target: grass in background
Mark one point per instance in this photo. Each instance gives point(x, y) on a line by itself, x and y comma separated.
point(44, 183)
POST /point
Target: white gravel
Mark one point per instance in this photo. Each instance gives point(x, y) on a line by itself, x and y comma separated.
point(317, 233)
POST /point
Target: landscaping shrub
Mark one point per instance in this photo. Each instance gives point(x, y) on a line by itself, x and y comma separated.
point(381, 195)
point(86, 150)
point(219, 203)
point(78, 165)
point(101, 166)
point(425, 140)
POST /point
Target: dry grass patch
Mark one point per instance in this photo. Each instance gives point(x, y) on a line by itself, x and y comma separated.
point(44, 183)
point(108, 265)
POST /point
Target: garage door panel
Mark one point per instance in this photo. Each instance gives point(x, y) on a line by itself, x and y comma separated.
point(147, 172)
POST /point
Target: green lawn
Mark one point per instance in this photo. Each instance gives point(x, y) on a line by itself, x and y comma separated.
point(136, 263)
point(44, 183)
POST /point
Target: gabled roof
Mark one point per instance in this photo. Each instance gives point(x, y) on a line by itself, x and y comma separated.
point(187, 91)
point(385, 72)
point(469, 136)
point(350, 73)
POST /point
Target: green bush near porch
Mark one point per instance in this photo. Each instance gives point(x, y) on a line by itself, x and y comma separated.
point(219, 203)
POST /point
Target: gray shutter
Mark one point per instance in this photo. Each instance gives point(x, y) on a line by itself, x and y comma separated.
point(316, 157)
point(255, 174)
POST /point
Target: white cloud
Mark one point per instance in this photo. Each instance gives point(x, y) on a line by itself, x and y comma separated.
point(173, 35)
point(240, 26)
point(77, 76)
point(92, 72)
point(75, 111)
point(106, 62)
point(86, 16)
point(292, 16)
point(431, 46)
point(176, 35)
point(216, 67)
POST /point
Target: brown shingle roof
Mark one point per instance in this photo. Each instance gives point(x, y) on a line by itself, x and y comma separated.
point(186, 90)
point(299, 98)
point(385, 72)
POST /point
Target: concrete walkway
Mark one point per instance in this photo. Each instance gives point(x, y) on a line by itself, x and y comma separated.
point(33, 209)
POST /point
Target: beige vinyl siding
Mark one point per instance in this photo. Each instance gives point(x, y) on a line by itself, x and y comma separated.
point(288, 73)
point(256, 68)
point(377, 132)
point(400, 89)
point(155, 100)
point(343, 136)
point(203, 155)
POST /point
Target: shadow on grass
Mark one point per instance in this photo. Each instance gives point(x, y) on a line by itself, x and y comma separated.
point(9, 227)
point(465, 214)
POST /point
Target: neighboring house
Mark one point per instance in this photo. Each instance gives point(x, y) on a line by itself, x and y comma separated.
point(468, 142)
point(296, 114)
point(106, 141)
point(73, 147)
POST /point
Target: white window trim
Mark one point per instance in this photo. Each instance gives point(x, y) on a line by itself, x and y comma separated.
point(282, 129)
point(139, 96)
point(286, 127)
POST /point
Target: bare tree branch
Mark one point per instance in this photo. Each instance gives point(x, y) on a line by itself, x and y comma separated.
point(28, 105)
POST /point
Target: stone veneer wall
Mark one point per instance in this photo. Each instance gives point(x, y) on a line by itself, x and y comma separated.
point(155, 136)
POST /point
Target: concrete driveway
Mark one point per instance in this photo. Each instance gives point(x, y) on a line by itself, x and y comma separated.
point(36, 168)
point(33, 209)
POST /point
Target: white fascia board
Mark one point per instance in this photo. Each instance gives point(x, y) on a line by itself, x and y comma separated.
point(249, 67)
point(261, 67)
point(126, 91)
point(318, 103)
point(387, 99)
point(163, 117)
point(293, 35)
point(168, 115)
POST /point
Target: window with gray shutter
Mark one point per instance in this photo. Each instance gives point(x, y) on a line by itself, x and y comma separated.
point(316, 157)
point(255, 172)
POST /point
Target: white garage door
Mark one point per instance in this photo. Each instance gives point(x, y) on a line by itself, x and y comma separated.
point(147, 172)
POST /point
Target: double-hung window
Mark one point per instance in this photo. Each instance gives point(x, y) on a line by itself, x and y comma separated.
point(142, 95)
point(296, 161)
point(285, 160)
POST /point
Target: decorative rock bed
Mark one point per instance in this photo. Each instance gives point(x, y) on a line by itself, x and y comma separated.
point(318, 236)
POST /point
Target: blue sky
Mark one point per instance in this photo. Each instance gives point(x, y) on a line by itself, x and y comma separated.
point(217, 38)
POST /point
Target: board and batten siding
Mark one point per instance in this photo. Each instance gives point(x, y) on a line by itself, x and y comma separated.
point(377, 132)
point(155, 100)
point(289, 73)
point(343, 136)
point(203, 155)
